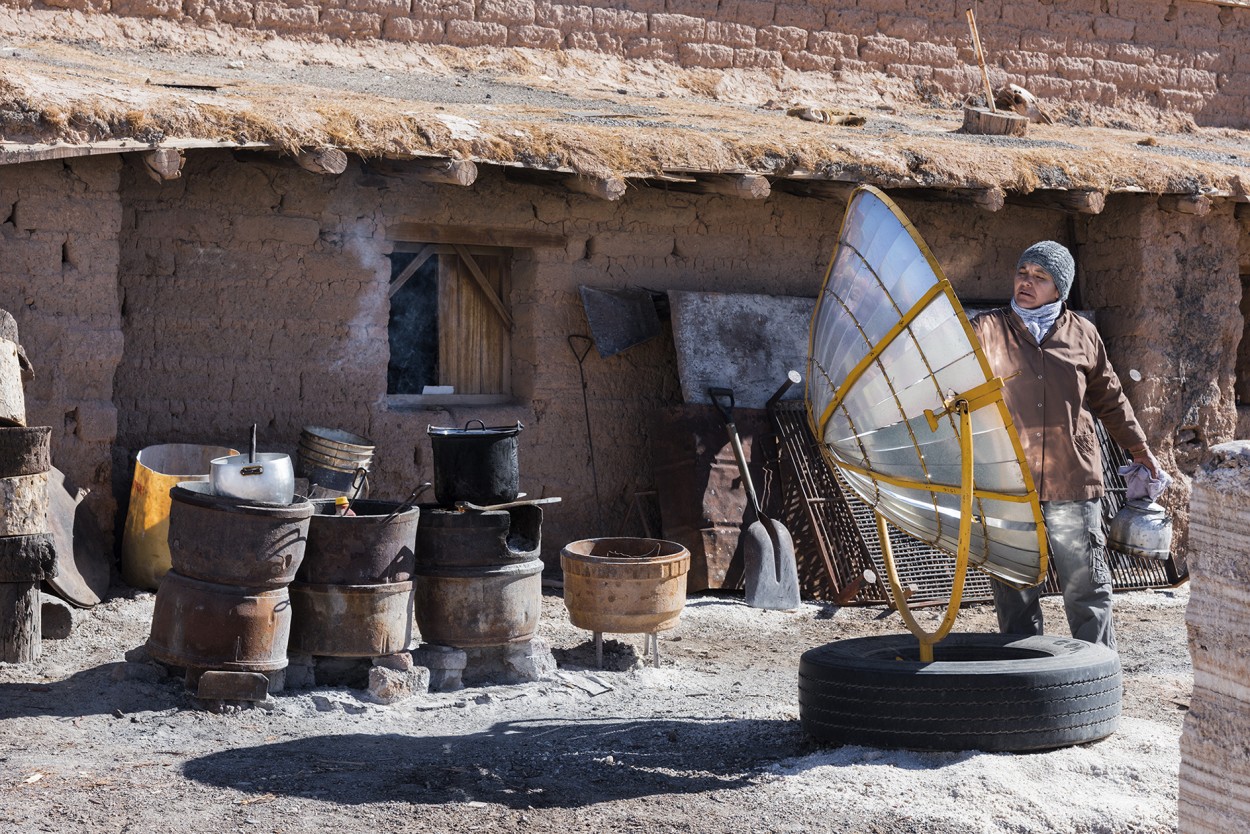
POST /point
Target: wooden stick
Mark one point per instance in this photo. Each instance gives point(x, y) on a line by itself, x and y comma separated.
point(985, 75)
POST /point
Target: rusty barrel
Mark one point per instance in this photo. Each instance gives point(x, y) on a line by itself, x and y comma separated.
point(478, 576)
point(624, 585)
point(235, 541)
point(351, 620)
point(375, 546)
point(203, 625)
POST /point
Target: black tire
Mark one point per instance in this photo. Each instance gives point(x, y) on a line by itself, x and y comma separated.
point(993, 692)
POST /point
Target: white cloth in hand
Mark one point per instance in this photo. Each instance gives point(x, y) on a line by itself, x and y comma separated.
point(1141, 485)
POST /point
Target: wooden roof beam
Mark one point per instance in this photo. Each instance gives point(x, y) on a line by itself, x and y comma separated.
point(1195, 204)
point(1072, 202)
point(603, 188)
point(989, 199)
point(164, 164)
point(741, 186)
point(328, 160)
point(462, 172)
point(820, 189)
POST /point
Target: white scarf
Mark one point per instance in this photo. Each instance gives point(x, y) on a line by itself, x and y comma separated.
point(1040, 319)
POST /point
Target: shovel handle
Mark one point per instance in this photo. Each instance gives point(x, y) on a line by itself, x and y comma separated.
point(719, 396)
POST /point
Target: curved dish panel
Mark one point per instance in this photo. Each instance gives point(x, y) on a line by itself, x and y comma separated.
point(891, 353)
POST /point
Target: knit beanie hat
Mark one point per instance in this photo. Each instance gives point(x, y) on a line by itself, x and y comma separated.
point(1055, 259)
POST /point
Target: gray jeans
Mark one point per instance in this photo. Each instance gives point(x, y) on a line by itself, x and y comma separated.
point(1078, 552)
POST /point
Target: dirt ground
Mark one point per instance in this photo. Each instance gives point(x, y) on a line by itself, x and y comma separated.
point(708, 742)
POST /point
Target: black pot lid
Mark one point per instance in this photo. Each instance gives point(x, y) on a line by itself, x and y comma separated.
point(481, 430)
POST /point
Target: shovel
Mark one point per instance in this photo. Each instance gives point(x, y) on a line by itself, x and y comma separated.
point(770, 572)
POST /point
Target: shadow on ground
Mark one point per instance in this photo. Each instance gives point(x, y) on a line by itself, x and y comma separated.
point(517, 764)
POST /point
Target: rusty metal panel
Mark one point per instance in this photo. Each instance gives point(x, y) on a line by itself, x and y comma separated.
point(699, 488)
point(351, 620)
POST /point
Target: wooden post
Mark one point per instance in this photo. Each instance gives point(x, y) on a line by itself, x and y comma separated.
point(985, 75)
point(20, 627)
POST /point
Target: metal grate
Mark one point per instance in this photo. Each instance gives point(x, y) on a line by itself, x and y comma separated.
point(836, 533)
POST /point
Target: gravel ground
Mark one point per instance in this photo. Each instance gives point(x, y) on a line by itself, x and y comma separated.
point(708, 742)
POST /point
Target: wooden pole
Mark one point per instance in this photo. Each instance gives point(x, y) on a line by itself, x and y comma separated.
point(985, 75)
point(20, 617)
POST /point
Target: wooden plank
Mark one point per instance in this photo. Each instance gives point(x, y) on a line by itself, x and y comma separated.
point(485, 286)
point(1075, 201)
point(423, 255)
point(465, 235)
point(602, 188)
point(1195, 204)
point(13, 153)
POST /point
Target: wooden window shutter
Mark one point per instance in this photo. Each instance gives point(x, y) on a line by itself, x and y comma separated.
point(475, 333)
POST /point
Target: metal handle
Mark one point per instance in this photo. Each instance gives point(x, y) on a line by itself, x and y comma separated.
point(718, 396)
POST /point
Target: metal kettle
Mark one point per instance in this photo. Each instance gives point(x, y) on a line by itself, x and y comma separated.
point(1142, 528)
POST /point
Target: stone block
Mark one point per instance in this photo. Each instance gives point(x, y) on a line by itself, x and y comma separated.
point(509, 664)
point(389, 686)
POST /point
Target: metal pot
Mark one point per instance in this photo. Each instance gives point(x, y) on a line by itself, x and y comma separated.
point(1142, 528)
point(478, 465)
point(268, 477)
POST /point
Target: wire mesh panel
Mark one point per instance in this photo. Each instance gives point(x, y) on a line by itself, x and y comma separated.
point(836, 533)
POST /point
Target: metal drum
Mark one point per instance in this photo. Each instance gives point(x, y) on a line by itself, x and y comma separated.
point(478, 576)
point(375, 546)
point(201, 625)
point(351, 620)
point(234, 541)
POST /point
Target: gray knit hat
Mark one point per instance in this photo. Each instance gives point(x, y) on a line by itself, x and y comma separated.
point(1055, 259)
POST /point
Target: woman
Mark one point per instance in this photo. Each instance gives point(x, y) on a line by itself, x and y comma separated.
point(1057, 380)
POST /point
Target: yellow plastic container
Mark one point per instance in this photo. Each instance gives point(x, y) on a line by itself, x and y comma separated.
point(145, 541)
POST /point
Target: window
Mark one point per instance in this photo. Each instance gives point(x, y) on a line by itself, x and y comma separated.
point(450, 325)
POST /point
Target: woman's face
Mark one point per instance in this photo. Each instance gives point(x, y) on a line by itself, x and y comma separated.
point(1034, 287)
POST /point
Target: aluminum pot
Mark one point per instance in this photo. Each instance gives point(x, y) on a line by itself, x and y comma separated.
point(478, 465)
point(1142, 528)
point(266, 476)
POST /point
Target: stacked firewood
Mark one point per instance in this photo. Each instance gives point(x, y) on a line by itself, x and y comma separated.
point(27, 555)
point(1215, 770)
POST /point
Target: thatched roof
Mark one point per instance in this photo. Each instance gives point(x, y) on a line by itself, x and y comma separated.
point(73, 84)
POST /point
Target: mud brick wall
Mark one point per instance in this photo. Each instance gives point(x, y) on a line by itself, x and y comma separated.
point(58, 277)
point(1170, 291)
point(1215, 771)
point(1185, 56)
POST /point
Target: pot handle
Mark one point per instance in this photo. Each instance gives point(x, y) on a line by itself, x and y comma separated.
point(471, 422)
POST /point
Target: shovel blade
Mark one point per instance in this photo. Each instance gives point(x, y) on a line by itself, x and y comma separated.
point(770, 573)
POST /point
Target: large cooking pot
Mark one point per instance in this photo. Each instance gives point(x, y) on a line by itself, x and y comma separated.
point(478, 465)
point(268, 477)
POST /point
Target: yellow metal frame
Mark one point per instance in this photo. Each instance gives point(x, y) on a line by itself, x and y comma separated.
point(961, 406)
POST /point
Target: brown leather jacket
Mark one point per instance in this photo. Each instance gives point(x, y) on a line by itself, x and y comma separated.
point(1056, 388)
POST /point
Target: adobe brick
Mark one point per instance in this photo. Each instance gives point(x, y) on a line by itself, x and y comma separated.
point(148, 8)
point(834, 44)
point(1026, 62)
point(582, 40)
point(913, 29)
point(705, 55)
point(342, 23)
point(749, 12)
point(301, 231)
point(800, 15)
point(1114, 29)
point(473, 33)
point(443, 10)
point(565, 18)
point(1074, 69)
point(1233, 85)
point(507, 12)
point(97, 422)
point(696, 8)
point(1157, 77)
point(1048, 86)
point(808, 62)
point(781, 38)
point(535, 37)
point(757, 59)
point(620, 22)
point(1183, 100)
point(934, 55)
point(878, 49)
point(284, 17)
point(409, 29)
point(1132, 53)
point(233, 12)
point(1114, 72)
point(730, 34)
point(1024, 15)
point(851, 21)
point(654, 48)
point(678, 27)
point(912, 71)
point(1197, 80)
point(1210, 61)
point(856, 66)
point(1041, 41)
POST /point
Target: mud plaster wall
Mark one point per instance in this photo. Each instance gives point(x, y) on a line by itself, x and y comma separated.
point(58, 277)
point(256, 292)
point(1182, 56)
point(1170, 286)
